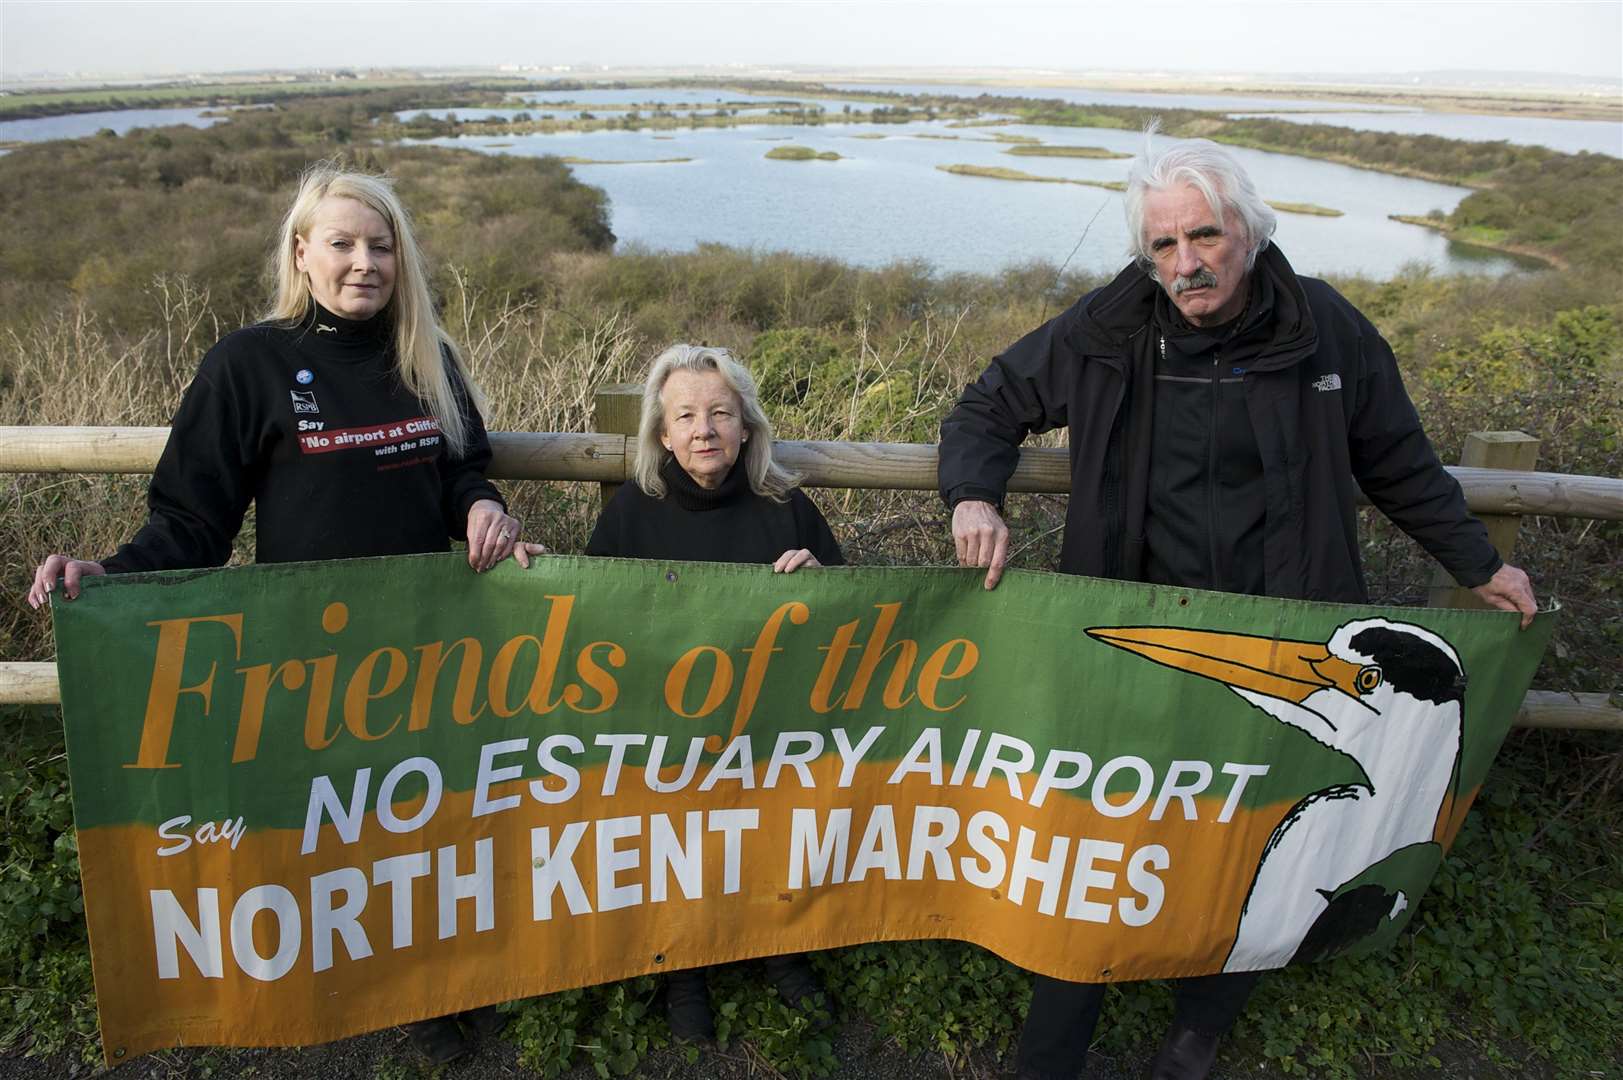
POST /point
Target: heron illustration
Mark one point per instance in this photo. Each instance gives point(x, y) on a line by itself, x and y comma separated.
point(1388, 695)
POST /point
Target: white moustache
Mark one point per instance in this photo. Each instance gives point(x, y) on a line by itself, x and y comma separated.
point(1200, 279)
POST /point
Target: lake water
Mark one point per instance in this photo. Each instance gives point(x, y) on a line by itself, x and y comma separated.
point(1567, 136)
point(79, 125)
point(887, 201)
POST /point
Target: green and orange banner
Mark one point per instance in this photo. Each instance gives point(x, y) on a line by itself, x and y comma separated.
point(314, 800)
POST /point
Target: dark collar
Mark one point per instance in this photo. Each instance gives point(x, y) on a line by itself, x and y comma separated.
point(1276, 329)
point(690, 496)
point(335, 337)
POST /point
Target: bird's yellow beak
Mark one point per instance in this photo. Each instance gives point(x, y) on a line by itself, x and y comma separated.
point(1289, 670)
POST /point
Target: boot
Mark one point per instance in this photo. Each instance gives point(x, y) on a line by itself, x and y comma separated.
point(1185, 1054)
point(687, 1006)
point(439, 1040)
point(796, 982)
point(483, 1023)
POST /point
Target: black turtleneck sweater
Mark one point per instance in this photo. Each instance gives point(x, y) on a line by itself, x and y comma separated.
point(730, 524)
point(312, 425)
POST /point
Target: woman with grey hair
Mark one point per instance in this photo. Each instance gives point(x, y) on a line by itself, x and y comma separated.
point(707, 489)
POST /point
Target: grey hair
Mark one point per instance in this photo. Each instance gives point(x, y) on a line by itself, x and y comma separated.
point(1209, 169)
point(766, 476)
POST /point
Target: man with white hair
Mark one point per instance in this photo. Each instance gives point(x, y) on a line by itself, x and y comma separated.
point(1223, 413)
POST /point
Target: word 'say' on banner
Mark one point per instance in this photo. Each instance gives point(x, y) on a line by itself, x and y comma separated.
point(315, 800)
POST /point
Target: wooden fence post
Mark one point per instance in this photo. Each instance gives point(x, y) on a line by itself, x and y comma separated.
point(1514, 450)
point(616, 410)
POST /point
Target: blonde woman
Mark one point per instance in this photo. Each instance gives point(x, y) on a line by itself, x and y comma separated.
point(346, 417)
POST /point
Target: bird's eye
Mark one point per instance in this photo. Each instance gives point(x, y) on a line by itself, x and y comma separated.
point(1368, 679)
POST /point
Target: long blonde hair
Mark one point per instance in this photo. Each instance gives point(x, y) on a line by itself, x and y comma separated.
point(766, 476)
point(424, 353)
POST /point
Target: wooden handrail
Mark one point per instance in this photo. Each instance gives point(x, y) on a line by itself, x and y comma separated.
point(610, 458)
point(898, 466)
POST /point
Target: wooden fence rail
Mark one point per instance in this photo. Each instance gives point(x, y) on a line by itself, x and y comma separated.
point(609, 458)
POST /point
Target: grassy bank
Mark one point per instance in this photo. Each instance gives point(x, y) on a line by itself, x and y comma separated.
point(800, 153)
point(1311, 209)
point(1483, 236)
point(126, 257)
point(997, 172)
point(1098, 153)
point(660, 116)
point(625, 161)
point(1333, 98)
point(412, 91)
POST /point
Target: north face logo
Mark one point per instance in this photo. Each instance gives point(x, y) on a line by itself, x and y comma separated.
point(1326, 383)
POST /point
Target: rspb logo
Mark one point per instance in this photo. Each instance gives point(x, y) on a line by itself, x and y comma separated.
point(304, 401)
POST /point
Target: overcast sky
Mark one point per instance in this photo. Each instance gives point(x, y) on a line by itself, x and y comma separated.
point(1322, 36)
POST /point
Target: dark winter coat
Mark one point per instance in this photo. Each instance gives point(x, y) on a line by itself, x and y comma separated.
point(1327, 408)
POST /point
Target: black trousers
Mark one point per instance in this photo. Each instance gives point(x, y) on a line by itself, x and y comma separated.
point(1059, 1027)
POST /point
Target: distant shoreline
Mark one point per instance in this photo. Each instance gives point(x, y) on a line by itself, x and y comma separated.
point(1479, 239)
point(1530, 102)
point(1500, 101)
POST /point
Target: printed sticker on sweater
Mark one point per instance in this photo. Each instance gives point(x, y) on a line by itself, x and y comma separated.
point(420, 432)
point(304, 401)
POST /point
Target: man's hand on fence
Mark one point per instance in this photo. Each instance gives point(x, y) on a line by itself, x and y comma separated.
point(981, 538)
point(69, 569)
point(1510, 590)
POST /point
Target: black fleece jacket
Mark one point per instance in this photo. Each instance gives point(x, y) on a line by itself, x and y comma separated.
point(1327, 409)
point(730, 524)
point(311, 424)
